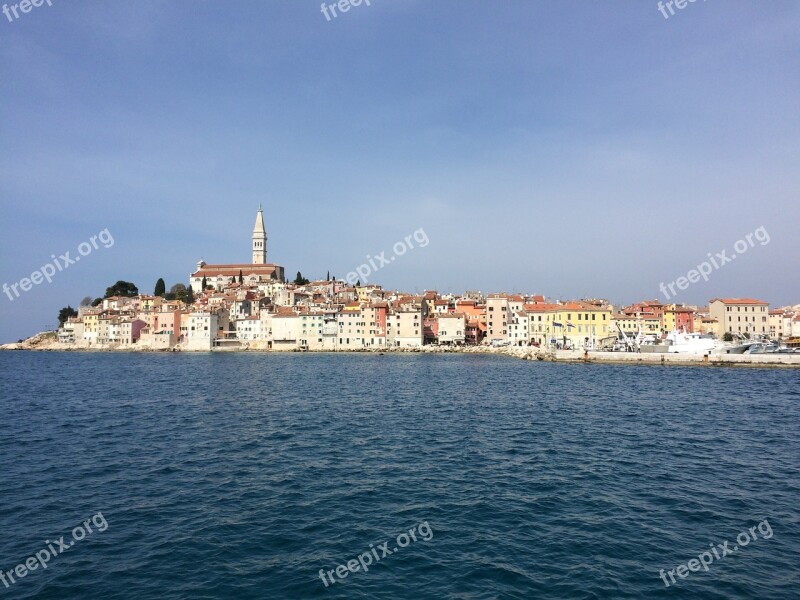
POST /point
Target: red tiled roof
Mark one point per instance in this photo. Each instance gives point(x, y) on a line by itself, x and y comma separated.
point(233, 270)
point(544, 307)
point(738, 301)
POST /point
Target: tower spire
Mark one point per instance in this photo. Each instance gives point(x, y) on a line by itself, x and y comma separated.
point(259, 239)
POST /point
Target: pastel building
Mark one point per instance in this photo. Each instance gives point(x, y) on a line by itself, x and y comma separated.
point(201, 330)
point(518, 328)
point(581, 324)
point(352, 327)
point(124, 331)
point(451, 329)
point(311, 326)
point(497, 318)
point(678, 318)
point(404, 328)
point(541, 328)
point(740, 316)
point(374, 317)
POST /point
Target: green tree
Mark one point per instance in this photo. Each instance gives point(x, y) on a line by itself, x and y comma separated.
point(300, 280)
point(161, 287)
point(189, 295)
point(241, 279)
point(122, 288)
point(86, 301)
point(328, 276)
point(728, 337)
point(97, 302)
point(204, 285)
point(178, 292)
point(65, 313)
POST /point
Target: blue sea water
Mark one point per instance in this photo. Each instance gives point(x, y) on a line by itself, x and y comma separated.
point(242, 475)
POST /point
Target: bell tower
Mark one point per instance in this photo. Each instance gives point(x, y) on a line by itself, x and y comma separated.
point(259, 239)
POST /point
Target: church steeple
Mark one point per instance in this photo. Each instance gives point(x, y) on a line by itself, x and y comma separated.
point(259, 239)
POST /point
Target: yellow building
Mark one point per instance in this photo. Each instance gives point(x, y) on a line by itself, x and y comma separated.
point(629, 324)
point(584, 324)
point(150, 302)
point(91, 319)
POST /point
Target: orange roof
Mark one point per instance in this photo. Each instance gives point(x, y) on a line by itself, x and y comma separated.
point(738, 301)
point(233, 270)
point(580, 305)
point(541, 307)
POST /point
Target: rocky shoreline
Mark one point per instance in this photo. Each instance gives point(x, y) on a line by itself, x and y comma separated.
point(48, 342)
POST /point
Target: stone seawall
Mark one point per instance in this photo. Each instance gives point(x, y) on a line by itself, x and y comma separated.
point(48, 342)
point(712, 360)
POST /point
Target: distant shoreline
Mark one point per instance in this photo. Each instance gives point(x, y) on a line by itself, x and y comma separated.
point(44, 342)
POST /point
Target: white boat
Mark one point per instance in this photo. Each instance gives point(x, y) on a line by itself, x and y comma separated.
point(680, 342)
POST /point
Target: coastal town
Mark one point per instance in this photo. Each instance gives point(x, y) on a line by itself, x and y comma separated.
point(252, 306)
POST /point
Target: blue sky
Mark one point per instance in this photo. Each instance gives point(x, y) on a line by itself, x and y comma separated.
point(567, 148)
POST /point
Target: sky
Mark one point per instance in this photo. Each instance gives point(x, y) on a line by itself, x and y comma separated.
point(572, 149)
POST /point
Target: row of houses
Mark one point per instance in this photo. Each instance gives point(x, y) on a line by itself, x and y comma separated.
point(331, 315)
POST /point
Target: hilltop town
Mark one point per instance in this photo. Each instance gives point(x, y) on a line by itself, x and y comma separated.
point(252, 306)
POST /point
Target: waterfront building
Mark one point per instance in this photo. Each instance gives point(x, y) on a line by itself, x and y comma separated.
point(285, 330)
point(497, 318)
point(201, 330)
point(124, 331)
point(518, 328)
point(312, 324)
point(776, 323)
point(451, 329)
point(71, 331)
point(351, 327)
point(374, 317)
point(90, 320)
point(740, 316)
point(582, 324)
point(103, 327)
point(248, 329)
point(404, 328)
point(541, 316)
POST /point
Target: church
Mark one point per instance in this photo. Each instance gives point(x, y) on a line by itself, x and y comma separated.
point(218, 276)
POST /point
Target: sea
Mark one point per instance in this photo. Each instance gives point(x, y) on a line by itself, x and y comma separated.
point(461, 476)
